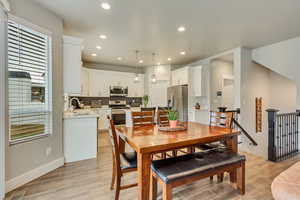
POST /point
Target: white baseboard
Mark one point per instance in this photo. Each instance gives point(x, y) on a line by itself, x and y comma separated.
point(33, 174)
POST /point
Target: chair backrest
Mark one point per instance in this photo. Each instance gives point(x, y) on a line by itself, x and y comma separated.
point(142, 118)
point(221, 119)
point(114, 143)
point(162, 117)
point(152, 109)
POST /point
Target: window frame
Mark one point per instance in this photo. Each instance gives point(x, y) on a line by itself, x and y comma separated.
point(49, 80)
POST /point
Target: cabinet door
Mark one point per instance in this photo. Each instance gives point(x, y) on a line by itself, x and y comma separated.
point(196, 80)
point(72, 69)
point(84, 82)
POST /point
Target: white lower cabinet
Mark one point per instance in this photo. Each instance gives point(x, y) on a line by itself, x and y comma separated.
point(80, 138)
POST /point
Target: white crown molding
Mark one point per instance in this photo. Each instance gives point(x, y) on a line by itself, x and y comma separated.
point(33, 174)
point(5, 5)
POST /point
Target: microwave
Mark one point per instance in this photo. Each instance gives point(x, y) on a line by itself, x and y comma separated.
point(118, 91)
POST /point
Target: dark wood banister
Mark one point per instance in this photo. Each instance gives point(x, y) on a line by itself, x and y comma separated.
point(245, 132)
point(238, 111)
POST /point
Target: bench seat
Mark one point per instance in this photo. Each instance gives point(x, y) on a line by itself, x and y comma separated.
point(180, 167)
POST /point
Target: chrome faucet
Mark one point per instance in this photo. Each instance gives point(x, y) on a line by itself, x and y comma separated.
point(71, 100)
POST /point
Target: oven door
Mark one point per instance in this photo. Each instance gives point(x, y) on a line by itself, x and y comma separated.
point(119, 118)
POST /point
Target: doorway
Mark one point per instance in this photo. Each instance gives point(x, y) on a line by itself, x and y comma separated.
point(222, 82)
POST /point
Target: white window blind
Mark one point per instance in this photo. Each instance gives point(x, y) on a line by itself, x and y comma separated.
point(28, 83)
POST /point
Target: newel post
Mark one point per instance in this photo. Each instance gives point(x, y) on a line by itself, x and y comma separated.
point(271, 129)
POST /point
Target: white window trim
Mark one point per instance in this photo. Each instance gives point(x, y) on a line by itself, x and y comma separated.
point(3, 107)
point(50, 75)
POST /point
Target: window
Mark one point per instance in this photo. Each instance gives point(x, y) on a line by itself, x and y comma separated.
point(29, 104)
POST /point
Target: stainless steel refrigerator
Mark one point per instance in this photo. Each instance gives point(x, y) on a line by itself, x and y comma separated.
point(178, 100)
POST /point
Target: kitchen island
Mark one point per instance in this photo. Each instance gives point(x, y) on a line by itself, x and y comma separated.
point(80, 136)
point(81, 128)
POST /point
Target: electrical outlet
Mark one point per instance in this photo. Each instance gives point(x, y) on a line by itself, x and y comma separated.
point(48, 151)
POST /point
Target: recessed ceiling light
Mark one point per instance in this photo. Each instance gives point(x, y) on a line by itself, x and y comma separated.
point(169, 59)
point(99, 47)
point(120, 58)
point(181, 29)
point(141, 61)
point(182, 53)
point(94, 55)
point(103, 37)
point(105, 6)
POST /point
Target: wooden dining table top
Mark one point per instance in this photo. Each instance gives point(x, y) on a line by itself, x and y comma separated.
point(147, 139)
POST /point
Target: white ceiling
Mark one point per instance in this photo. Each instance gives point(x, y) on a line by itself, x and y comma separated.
point(212, 26)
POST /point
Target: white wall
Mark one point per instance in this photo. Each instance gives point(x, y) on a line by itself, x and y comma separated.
point(276, 92)
point(283, 58)
point(157, 91)
point(3, 121)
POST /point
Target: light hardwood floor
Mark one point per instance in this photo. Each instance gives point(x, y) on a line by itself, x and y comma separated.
point(90, 180)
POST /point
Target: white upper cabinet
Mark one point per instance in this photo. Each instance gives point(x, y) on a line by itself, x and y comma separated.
point(85, 76)
point(196, 81)
point(72, 65)
point(101, 80)
point(180, 76)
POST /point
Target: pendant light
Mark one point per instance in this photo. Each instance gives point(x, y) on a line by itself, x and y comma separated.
point(153, 76)
point(136, 78)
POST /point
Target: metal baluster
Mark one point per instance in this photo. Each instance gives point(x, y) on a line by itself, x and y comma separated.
point(280, 137)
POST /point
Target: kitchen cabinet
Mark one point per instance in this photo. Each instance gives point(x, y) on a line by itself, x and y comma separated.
point(180, 76)
point(196, 81)
point(72, 65)
point(80, 138)
point(84, 82)
point(101, 80)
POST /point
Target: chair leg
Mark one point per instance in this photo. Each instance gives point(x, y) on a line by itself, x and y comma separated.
point(164, 155)
point(153, 191)
point(241, 178)
point(113, 179)
point(220, 177)
point(174, 153)
point(167, 192)
point(118, 187)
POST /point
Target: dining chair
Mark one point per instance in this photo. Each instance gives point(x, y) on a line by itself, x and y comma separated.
point(142, 118)
point(162, 117)
point(217, 119)
point(122, 162)
point(162, 120)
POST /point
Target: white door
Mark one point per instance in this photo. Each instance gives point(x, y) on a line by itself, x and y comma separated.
point(3, 59)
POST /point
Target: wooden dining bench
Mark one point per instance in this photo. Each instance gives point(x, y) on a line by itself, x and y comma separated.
point(177, 171)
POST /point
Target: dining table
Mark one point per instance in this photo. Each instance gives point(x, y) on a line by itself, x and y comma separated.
point(149, 140)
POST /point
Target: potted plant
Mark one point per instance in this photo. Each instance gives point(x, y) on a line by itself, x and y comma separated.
point(145, 100)
point(173, 116)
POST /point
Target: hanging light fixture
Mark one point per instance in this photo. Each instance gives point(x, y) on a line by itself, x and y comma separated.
point(136, 78)
point(153, 76)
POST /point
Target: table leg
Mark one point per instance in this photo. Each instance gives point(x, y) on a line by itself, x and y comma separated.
point(144, 162)
point(232, 145)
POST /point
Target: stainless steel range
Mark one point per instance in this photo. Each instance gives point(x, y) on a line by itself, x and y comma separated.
point(118, 109)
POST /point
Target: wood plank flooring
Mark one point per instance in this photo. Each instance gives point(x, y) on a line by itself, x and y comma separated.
point(90, 180)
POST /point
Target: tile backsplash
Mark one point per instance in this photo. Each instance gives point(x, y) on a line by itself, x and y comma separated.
point(104, 101)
